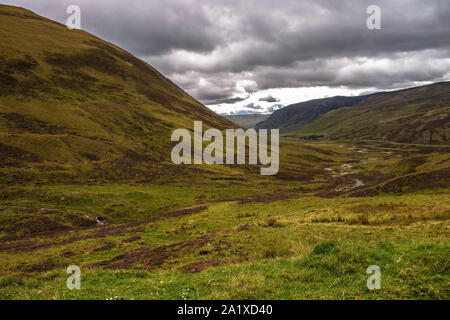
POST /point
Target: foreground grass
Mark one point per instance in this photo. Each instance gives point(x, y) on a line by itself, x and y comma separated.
point(302, 248)
point(409, 270)
point(286, 237)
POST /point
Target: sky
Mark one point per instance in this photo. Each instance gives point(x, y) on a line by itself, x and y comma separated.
point(256, 56)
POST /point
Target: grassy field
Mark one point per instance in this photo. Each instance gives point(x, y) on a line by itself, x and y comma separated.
point(295, 249)
point(295, 238)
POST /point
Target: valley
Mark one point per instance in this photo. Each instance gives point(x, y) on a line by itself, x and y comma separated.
point(86, 179)
point(225, 239)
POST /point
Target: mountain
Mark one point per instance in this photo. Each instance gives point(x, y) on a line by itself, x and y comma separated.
point(297, 115)
point(70, 99)
point(415, 115)
point(247, 120)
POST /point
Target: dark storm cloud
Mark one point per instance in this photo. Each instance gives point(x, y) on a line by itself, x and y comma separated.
point(145, 27)
point(269, 98)
point(228, 100)
point(244, 111)
point(240, 47)
point(253, 106)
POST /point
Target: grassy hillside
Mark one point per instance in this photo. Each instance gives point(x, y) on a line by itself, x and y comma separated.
point(70, 102)
point(417, 115)
point(300, 114)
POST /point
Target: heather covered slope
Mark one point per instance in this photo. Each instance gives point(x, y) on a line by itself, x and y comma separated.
point(297, 115)
point(68, 98)
point(415, 115)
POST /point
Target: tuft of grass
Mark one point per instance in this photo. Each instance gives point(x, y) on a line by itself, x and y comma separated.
point(325, 248)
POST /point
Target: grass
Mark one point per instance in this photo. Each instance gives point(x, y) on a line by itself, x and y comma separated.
point(409, 271)
point(82, 142)
point(84, 108)
point(280, 255)
point(282, 237)
point(290, 236)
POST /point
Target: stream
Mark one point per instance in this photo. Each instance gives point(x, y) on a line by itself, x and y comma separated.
point(358, 183)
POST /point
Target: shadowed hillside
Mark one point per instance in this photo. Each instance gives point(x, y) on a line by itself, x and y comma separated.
point(68, 98)
point(416, 115)
point(299, 114)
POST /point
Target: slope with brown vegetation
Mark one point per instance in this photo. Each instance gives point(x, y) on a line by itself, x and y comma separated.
point(69, 99)
point(415, 115)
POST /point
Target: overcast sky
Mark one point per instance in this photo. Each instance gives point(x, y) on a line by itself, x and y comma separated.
point(259, 55)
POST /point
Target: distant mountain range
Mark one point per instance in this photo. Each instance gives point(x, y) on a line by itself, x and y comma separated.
point(415, 115)
point(299, 114)
point(247, 120)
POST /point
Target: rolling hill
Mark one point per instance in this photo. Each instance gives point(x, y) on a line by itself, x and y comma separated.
point(69, 100)
point(415, 115)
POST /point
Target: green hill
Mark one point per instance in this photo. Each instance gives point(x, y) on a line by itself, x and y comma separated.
point(415, 115)
point(69, 101)
point(298, 115)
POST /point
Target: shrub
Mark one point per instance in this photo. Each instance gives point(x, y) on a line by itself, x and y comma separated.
point(276, 247)
point(325, 247)
point(273, 223)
